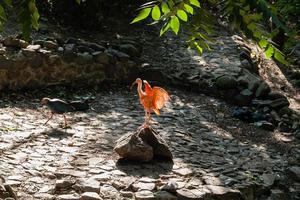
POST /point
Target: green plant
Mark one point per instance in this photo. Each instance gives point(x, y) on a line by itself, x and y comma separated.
point(260, 20)
point(252, 17)
point(3, 6)
point(27, 13)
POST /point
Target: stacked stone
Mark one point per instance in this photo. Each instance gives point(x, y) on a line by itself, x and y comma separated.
point(71, 61)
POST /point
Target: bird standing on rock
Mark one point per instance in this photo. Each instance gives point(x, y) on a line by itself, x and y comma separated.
point(57, 106)
point(152, 99)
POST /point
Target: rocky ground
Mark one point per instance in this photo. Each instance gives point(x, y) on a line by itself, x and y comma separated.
point(216, 155)
point(45, 162)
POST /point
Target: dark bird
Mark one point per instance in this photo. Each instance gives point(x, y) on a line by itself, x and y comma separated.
point(57, 106)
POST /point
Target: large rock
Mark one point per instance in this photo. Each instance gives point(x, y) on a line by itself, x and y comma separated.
point(143, 145)
point(265, 125)
point(294, 172)
point(90, 196)
point(84, 58)
point(226, 82)
point(164, 195)
point(249, 80)
point(50, 45)
point(15, 42)
point(278, 194)
point(277, 104)
point(132, 147)
point(129, 49)
point(244, 98)
point(68, 197)
point(222, 193)
point(262, 90)
point(194, 194)
point(144, 195)
point(102, 57)
point(6, 191)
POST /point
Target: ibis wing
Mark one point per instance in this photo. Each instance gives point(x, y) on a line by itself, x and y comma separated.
point(59, 106)
point(156, 111)
point(160, 97)
point(148, 88)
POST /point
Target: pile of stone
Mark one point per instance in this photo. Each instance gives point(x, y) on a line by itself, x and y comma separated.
point(267, 109)
point(61, 61)
point(143, 145)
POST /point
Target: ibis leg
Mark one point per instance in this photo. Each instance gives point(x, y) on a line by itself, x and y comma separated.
point(147, 122)
point(49, 118)
point(65, 120)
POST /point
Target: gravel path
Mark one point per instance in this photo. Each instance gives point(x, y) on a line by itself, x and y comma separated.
point(39, 160)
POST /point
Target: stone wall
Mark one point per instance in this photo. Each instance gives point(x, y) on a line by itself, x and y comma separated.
point(71, 61)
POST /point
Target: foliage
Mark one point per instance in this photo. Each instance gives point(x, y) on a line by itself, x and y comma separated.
point(289, 11)
point(3, 5)
point(27, 13)
point(260, 20)
point(257, 19)
point(252, 17)
point(172, 13)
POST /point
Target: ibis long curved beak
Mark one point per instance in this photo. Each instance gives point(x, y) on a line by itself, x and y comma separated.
point(132, 85)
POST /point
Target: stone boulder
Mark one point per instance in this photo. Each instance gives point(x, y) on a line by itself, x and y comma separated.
point(294, 172)
point(265, 125)
point(15, 42)
point(262, 90)
point(143, 145)
point(222, 193)
point(226, 82)
point(244, 97)
point(208, 192)
point(277, 104)
point(249, 80)
point(129, 49)
point(6, 191)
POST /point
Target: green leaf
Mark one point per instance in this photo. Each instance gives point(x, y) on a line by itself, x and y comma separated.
point(78, 1)
point(171, 4)
point(189, 8)
point(165, 27)
point(251, 27)
point(34, 14)
point(280, 57)
point(197, 47)
point(31, 6)
point(247, 18)
point(155, 13)
point(8, 2)
point(257, 34)
point(256, 16)
point(34, 20)
point(247, 8)
point(242, 12)
point(2, 14)
point(142, 15)
point(263, 43)
point(164, 7)
point(203, 36)
point(195, 3)
point(182, 15)
point(270, 51)
point(175, 24)
point(204, 44)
